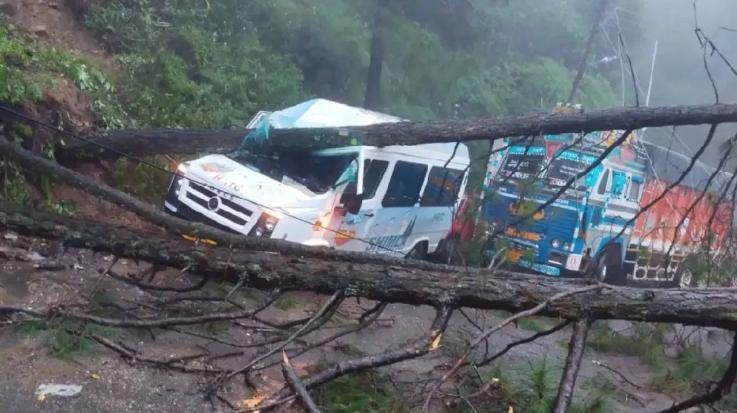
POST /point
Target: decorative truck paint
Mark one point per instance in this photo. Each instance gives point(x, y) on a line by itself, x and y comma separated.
point(592, 226)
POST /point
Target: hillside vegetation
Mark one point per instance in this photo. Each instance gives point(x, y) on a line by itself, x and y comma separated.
point(212, 64)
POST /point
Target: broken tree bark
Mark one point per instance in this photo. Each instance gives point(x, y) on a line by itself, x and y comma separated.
point(399, 283)
point(192, 141)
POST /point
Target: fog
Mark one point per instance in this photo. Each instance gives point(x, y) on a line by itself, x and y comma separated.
point(679, 76)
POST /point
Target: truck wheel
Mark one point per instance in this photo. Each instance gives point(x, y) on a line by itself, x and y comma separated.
point(418, 252)
point(447, 254)
point(608, 269)
point(684, 278)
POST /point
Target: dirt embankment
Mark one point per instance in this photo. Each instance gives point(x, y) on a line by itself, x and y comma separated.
point(59, 22)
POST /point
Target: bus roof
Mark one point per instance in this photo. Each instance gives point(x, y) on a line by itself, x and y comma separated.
point(323, 113)
point(317, 113)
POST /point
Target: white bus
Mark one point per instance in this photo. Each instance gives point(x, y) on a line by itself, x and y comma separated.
point(396, 200)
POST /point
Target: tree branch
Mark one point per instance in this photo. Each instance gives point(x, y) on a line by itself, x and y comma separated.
point(425, 345)
point(329, 305)
point(401, 282)
point(576, 349)
point(139, 323)
point(525, 340)
point(522, 314)
point(39, 165)
point(296, 384)
point(160, 141)
point(722, 387)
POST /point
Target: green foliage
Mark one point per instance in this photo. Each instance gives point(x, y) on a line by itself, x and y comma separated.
point(182, 69)
point(62, 207)
point(691, 370)
point(599, 391)
point(709, 272)
point(141, 180)
point(66, 338)
point(357, 393)
point(17, 83)
point(535, 324)
point(27, 67)
point(288, 302)
point(532, 388)
point(13, 187)
point(212, 64)
point(645, 341)
point(470, 251)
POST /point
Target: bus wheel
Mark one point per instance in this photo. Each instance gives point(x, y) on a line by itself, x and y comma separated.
point(608, 269)
point(418, 252)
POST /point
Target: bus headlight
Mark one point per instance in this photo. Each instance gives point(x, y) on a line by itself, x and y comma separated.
point(264, 226)
point(182, 168)
point(556, 243)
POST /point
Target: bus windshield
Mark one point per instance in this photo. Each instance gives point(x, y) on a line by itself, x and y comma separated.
point(318, 172)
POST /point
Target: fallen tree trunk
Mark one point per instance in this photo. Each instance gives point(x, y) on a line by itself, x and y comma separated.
point(192, 141)
point(38, 165)
point(395, 283)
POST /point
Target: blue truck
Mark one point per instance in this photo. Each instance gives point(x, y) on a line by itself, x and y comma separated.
point(587, 229)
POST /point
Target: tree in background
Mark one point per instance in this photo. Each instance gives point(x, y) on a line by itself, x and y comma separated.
point(376, 61)
point(192, 63)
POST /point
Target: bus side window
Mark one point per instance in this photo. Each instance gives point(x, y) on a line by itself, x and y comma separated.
point(405, 184)
point(442, 187)
point(373, 171)
point(373, 176)
point(603, 183)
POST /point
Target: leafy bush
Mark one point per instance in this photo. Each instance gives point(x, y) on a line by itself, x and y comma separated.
point(646, 342)
point(180, 70)
point(15, 62)
point(27, 67)
point(66, 338)
point(532, 388)
point(690, 372)
point(357, 393)
point(141, 180)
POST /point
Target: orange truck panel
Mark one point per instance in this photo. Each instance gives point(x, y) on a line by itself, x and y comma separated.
point(705, 223)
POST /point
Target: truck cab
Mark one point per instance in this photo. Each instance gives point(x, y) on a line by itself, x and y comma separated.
point(582, 226)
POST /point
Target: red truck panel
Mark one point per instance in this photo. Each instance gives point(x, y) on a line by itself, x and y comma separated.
point(464, 221)
point(657, 227)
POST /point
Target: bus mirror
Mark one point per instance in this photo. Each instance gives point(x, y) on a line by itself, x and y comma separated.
point(352, 202)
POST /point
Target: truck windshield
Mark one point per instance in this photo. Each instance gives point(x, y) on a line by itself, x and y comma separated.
point(317, 172)
point(521, 164)
point(566, 166)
